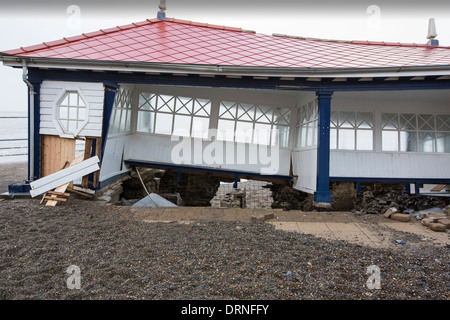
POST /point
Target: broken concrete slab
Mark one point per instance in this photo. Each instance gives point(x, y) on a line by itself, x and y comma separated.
point(154, 200)
point(400, 217)
point(439, 227)
point(262, 216)
point(427, 221)
point(390, 212)
point(445, 222)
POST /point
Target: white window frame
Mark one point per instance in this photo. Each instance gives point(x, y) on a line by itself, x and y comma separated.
point(247, 113)
point(341, 120)
point(56, 113)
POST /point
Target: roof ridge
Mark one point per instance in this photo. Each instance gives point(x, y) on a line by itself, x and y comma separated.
point(88, 35)
point(362, 42)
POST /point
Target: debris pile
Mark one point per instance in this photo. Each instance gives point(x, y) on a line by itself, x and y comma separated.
point(288, 198)
point(379, 199)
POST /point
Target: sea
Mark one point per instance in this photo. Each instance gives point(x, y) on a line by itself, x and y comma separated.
point(13, 137)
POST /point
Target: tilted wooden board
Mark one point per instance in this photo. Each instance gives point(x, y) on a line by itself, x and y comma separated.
point(64, 176)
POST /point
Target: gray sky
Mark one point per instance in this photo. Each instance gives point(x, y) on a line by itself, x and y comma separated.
point(28, 22)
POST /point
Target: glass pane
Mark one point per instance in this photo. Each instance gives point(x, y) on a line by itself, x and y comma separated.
point(280, 137)
point(63, 113)
point(282, 116)
point(333, 139)
point(364, 120)
point(73, 99)
point(72, 126)
point(227, 110)
point(65, 101)
point(364, 140)
point(389, 141)
point(147, 101)
point(408, 122)
point(244, 132)
point(200, 128)
point(346, 139)
point(310, 134)
point(347, 119)
point(225, 130)
point(408, 141)
point(316, 133)
point(166, 103)
point(425, 122)
point(73, 113)
point(182, 126)
point(163, 123)
point(443, 123)
point(389, 121)
point(443, 142)
point(202, 107)
point(184, 105)
point(264, 114)
point(304, 134)
point(262, 134)
point(246, 112)
point(128, 123)
point(426, 142)
point(145, 121)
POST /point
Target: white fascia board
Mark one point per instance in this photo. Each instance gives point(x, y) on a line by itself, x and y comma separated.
point(156, 68)
point(61, 177)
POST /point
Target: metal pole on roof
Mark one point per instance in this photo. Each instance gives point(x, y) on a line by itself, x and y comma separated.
point(162, 7)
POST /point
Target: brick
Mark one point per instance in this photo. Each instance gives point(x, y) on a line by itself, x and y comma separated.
point(400, 217)
point(445, 222)
point(439, 227)
point(390, 212)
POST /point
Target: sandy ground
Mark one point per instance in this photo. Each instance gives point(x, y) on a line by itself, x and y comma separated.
point(12, 173)
point(201, 253)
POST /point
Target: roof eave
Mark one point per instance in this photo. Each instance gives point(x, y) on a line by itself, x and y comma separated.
point(150, 67)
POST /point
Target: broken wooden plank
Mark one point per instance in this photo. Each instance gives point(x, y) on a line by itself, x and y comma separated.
point(85, 190)
point(55, 199)
point(79, 192)
point(438, 188)
point(62, 194)
point(63, 188)
point(87, 154)
point(64, 176)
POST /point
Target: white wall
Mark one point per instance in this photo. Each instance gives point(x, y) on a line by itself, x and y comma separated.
point(380, 164)
point(160, 148)
point(116, 149)
point(52, 91)
point(304, 165)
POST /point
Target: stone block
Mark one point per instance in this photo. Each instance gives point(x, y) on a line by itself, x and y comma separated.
point(263, 216)
point(439, 227)
point(427, 221)
point(400, 217)
point(445, 222)
point(437, 215)
point(390, 212)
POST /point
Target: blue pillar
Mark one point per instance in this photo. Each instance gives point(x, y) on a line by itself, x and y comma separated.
point(108, 104)
point(323, 193)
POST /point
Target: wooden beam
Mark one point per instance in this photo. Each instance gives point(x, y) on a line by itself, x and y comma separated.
point(87, 155)
point(55, 199)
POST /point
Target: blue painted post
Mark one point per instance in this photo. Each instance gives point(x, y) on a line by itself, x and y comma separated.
point(358, 187)
point(236, 179)
point(417, 188)
point(407, 188)
point(323, 193)
point(108, 104)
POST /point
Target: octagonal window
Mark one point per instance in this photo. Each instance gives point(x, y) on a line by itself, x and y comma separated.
point(72, 112)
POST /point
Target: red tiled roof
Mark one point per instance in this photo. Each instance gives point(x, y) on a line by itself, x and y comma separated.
point(185, 42)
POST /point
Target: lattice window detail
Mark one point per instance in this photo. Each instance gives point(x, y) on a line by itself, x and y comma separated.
point(307, 125)
point(166, 114)
point(121, 115)
point(72, 113)
point(250, 123)
point(415, 132)
point(351, 130)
